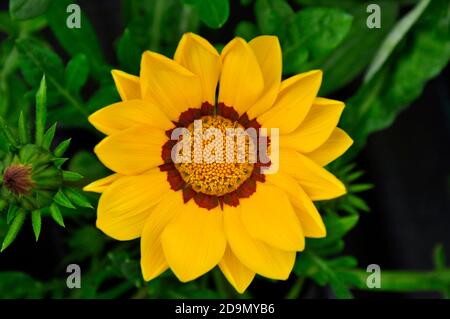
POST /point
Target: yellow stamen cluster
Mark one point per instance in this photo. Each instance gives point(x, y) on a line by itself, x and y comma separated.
point(214, 174)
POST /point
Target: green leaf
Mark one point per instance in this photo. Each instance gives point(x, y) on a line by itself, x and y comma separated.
point(126, 268)
point(3, 204)
point(44, 197)
point(77, 198)
point(27, 9)
point(24, 132)
point(6, 24)
point(14, 229)
point(403, 77)
point(46, 61)
point(62, 199)
point(330, 249)
point(394, 38)
point(77, 40)
point(440, 264)
point(88, 165)
point(358, 203)
point(28, 153)
point(69, 176)
point(36, 222)
point(350, 209)
point(41, 111)
point(356, 51)
point(4, 145)
point(340, 289)
point(320, 29)
point(336, 227)
point(48, 137)
point(36, 59)
point(86, 241)
point(61, 148)
point(56, 215)
point(20, 28)
point(214, 13)
point(12, 212)
point(354, 176)
point(104, 96)
point(343, 262)
point(439, 257)
point(309, 34)
point(356, 188)
point(128, 52)
point(77, 73)
point(7, 133)
point(339, 226)
point(273, 16)
point(246, 30)
point(324, 272)
point(60, 161)
point(17, 285)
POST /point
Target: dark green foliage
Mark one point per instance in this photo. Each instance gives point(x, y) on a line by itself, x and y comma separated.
point(214, 13)
point(419, 57)
point(27, 9)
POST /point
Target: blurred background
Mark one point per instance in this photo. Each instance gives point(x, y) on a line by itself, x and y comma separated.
point(407, 159)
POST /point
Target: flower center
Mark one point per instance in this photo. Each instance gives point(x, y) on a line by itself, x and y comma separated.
point(220, 161)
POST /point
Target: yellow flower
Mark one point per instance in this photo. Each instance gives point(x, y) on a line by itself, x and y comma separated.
point(192, 217)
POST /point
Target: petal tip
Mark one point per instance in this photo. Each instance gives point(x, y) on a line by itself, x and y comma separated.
point(90, 188)
point(148, 275)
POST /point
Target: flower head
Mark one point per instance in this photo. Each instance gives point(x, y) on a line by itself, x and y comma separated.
point(220, 207)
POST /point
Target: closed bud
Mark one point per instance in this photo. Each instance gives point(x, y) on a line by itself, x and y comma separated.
point(17, 179)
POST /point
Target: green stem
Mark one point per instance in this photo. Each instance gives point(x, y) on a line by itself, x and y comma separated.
point(7, 133)
point(156, 24)
point(403, 281)
point(220, 283)
point(141, 293)
point(296, 289)
point(11, 63)
point(184, 20)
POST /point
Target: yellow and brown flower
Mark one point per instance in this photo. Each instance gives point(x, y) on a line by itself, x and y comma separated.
point(193, 217)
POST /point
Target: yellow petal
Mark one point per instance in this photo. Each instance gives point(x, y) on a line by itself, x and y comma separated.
point(293, 102)
point(317, 182)
point(241, 81)
point(268, 53)
point(256, 255)
point(236, 273)
point(268, 215)
point(169, 85)
point(120, 116)
point(194, 242)
point(100, 185)
point(132, 151)
point(124, 207)
point(307, 213)
point(153, 261)
point(316, 128)
point(127, 85)
point(198, 56)
point(336, 145)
